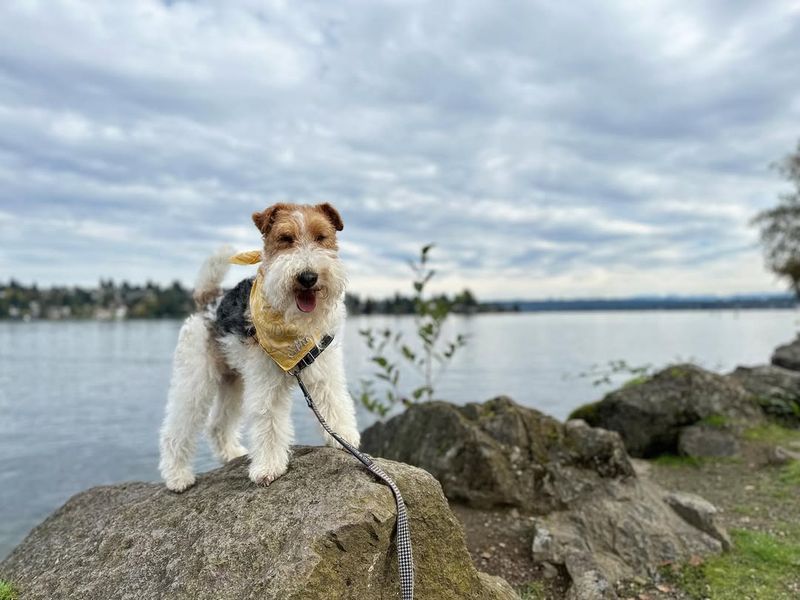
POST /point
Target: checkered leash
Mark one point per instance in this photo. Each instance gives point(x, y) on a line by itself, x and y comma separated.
point(405, 558)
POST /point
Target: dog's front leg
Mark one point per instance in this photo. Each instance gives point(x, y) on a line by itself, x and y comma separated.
point(267, 400)
point(328, 387)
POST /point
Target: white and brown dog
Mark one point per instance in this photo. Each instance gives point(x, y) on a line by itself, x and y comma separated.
point(219, 369)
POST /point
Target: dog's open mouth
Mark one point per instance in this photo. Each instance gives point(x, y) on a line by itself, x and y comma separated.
point(306, 300)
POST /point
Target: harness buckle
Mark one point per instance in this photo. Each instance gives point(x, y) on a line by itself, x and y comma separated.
point(312, 354)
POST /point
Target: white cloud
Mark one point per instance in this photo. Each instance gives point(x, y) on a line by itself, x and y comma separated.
point(547, 149)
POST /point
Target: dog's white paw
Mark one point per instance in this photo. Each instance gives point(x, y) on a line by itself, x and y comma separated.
point(353, 437)
point(265, 475)
point(232, 452)
point(180, 481)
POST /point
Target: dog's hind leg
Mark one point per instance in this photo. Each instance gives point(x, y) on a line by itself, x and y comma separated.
point(195, 379)
point(223, 425)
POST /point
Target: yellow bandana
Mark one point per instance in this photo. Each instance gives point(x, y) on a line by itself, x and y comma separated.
point(251, 257)
point(284, 342)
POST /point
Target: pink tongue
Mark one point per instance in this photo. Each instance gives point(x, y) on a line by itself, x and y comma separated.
point(306, 300)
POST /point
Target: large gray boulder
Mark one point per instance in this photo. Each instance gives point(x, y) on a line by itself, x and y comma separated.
point(322, 531)
point(649, 415)
point(788, 355)
point(777, 391)
point(500, 454)
point(594, 515)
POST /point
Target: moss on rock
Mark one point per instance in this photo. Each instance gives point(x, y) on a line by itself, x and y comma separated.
point(587, 412)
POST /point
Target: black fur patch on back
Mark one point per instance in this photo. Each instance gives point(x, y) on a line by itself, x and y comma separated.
point(233, 312)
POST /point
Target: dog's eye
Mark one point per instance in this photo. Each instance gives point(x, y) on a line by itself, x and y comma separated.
point(286, 239)
point(321, 238)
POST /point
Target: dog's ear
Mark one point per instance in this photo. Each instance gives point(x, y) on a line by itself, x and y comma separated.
point(265, 219)
point(332, 215)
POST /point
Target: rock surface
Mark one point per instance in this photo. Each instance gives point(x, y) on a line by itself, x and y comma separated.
point(788, 355)
point(591, 586)
point(323, 530)
point(624, 530)
point(596, 517)
point(500, 454)
point(700, 513)
point(705, 441)
point(780, 456)
point(777, 391)
point(650, 415)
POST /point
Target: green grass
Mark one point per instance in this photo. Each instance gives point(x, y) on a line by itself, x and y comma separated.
point(746, 510)
point(534, 590)
point(791, 473)
point(760, 567)
point(7, 592)
point(772, 433)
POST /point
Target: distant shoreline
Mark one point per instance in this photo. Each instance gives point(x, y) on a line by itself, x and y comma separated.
point(112, 301)
point(553, 309)
point(628, 304)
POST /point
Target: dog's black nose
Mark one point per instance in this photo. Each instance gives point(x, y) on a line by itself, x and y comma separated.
point(307, 279)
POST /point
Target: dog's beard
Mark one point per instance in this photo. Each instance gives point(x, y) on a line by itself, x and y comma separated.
point(283, 294)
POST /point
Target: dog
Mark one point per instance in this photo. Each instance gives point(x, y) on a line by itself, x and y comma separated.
point(219, 369)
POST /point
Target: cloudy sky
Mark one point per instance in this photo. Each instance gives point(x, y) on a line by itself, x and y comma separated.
point(548, 148)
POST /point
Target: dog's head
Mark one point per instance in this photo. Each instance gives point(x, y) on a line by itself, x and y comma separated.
point(303, 276)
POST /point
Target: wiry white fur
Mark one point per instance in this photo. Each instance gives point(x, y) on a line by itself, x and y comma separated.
point(195, 379)
point(251, 380)
point(213, 271)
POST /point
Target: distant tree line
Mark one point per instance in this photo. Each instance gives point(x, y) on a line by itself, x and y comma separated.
point(462, 303)
point(110, 300)
point(107, 301)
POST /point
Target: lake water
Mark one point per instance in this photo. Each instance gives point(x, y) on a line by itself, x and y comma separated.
point(81, 402)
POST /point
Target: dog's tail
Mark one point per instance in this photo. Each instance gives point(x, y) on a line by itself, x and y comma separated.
point(209, 279)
